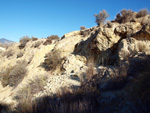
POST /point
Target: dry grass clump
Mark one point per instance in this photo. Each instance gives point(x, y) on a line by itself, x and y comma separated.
point(109, 24)
point(37, 44)
point(82, 28)
point(8, 53)
point(101, 17)
point(139, 88)
point(85, 32)
point(68, 102)
point(142, 13)
point(34, 38)
point(52, 61)
point(14, 75)
point(24, 41)
point(20, 54)
point(50, 38)
point(34, 87)
point(125, 16)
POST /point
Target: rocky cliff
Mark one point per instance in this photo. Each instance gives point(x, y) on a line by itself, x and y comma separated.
point(117, 54)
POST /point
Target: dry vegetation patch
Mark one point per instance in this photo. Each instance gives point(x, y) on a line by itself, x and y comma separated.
point(12, 76)
point(24, 41)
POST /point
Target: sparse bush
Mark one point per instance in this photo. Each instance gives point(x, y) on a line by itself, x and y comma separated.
point(145, 21)
point(20, 54)
point(76, 102)
point(82, 28)
point(85, 32)
point(142, 13)
point(53, 37)
point(101, 17)
point(53, 60)
point(50, 38)
point(35, 86)
point(14, 75)
point(37, 44)
point(139, 89)
point(126, 16)
point(8, 53)
point(34, 38)
point(24, 41)
point(109, 24)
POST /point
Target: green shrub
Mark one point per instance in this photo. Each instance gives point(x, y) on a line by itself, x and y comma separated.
point(101, 17)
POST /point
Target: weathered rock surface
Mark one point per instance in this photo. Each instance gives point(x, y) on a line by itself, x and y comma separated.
point(109, 46)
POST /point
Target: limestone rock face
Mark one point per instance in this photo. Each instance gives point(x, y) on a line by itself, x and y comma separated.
point(107, 45)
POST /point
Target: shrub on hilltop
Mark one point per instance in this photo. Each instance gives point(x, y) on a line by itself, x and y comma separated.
point(142, 13)
point(101, 17)
point(82, 28)
point(24, 41)
point(50, 38)
point(125, 16)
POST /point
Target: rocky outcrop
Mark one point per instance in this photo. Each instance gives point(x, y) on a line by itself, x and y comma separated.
point(110, 46)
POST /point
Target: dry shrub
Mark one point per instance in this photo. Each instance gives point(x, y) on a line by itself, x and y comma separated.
point(82, 28)
point(50, 38)
point(37, 44)
point(34, 87)
point(145, 21)
point(101, 17)
point(14, 75)
point(25, 105)
point(53, 61)
point(68, 102)
point(142, 13)
point(90, 70)
point(20, 54)
point(109, 24)
point(24, 41)
point(126, 16)
point(53, 37)
point(118, 79)
point(8, 53)
point(139, 89)
point(85, 32)
point(34, 38)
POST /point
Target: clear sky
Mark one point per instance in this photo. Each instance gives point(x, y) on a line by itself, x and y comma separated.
point(42, 18)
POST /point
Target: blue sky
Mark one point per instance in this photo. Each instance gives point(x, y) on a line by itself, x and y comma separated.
point(42, 18)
